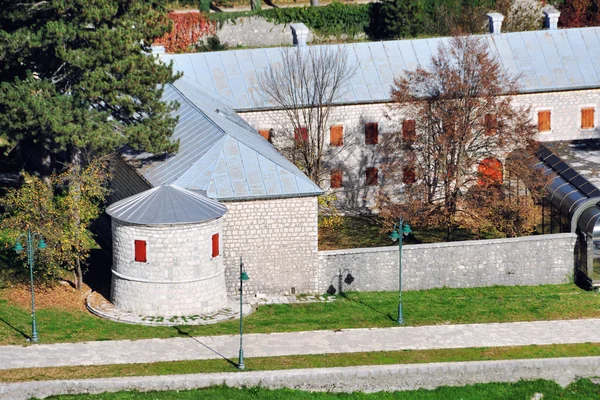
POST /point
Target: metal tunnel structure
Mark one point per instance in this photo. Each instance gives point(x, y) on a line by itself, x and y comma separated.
point(578, 200)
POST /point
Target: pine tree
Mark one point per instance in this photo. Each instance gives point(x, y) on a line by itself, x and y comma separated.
point(78, 75)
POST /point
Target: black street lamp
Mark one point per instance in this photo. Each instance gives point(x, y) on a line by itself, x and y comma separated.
point(19, 248)
point(349, 279)
point(243, 277)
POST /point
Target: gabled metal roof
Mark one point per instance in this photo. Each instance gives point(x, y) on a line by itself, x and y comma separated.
point(166, 205)
point(548, 60)
point(220, 155)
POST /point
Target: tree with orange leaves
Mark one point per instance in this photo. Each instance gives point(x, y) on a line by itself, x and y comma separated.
point(463, 124)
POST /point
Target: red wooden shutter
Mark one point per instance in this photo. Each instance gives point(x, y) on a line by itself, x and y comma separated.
point(215, 245)
point(372, 178)
point(140, 250)
point(335, 181)
point(408, 175)
point(409, 133)
point(266, 133)
point(371, 133)
point(544, 121)
point(491, 124)
point(587, 118)
point(301, 135)
point(336, 136)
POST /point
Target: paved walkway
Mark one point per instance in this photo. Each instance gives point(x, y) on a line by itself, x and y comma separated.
point(295, 343)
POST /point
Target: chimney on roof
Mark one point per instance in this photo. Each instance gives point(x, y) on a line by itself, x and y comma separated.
point(300, 34)
point(551, 15)
point(495, 20)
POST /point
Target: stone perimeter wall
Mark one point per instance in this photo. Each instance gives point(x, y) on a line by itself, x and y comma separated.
point(179, 277)
point(278, 242)
point(533, 260)
point(372, 378)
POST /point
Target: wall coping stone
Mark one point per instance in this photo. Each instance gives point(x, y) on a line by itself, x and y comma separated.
point(485, 242)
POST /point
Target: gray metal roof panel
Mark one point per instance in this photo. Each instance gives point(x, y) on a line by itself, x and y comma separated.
point(560, 59)
point(220, 155)
point(166, 205)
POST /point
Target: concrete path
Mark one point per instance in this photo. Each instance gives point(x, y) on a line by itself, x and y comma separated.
point(295, 343)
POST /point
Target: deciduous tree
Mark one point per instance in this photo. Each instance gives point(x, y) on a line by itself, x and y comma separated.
point(304, 87)
point(466, 123)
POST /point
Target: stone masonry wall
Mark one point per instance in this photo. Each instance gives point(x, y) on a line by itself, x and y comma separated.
point(355, 156)
point(180, 276)
point(278, 242)
point(533, 260)
point(255, 32)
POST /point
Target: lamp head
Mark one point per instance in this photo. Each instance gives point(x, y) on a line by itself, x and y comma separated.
point(394, 235)
point(244, 276)
point(41, 244)
point(406, 229)
point(331, 290)
point(18, 247)
point(349, 278)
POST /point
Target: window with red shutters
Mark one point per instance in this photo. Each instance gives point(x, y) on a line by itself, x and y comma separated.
point(490, 172)
point(372, 176)
point(266, 133)
point(301, 135)
point(336, 179)
point(408, 175)
point(140, 250)
point(587, 118)
point(544, 124)
point(215, 245)
point(371, 133)
point(409, 132)
point(491, 124)
point(336, 136)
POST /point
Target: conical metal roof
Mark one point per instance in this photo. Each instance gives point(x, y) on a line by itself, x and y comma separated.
point(166, 205)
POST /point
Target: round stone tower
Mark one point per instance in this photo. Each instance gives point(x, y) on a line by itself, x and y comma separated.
point(167, 253)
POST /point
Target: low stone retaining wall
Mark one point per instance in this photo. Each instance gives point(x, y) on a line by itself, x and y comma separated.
point(532, 260)
point(344, 379)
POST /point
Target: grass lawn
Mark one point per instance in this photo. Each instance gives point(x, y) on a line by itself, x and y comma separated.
point(582, 389)
point(304, 361)
point(366, 231)
point(356, 310)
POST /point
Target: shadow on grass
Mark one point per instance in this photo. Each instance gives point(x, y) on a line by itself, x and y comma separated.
point(26, 336)
point(370, 307)
point(184, 333)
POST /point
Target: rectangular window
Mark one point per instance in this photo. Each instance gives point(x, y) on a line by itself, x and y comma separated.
point(301, 135)
point(336, 136)
point(266, 133)
point(587, 118)
point(140, 250)
point(408, 175)
point(491, 124)
point(215, 245)
point(409, 133)
point(371, 133)
point(372, 176)
point(335, 181)
point(544, 121)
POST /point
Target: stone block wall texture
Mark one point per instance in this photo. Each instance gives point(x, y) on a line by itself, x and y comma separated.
point(533, 260)
point(372, 378)
point(355, 156)
point(278, 241)
point(255, 32)
point(180, 276)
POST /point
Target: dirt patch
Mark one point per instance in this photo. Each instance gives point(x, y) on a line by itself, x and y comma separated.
point(62, 296)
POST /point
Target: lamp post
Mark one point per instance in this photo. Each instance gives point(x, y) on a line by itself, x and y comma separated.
point(398, 232)
point(243, 277)
point(30, 237)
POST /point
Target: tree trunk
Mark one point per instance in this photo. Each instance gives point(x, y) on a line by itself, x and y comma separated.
point(79, 275)
point(255, 5)
point(75, 186)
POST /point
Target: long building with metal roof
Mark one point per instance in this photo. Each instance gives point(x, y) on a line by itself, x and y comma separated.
point(542, 61)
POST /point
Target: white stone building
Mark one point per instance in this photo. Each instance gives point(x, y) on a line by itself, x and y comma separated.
point(558, 71)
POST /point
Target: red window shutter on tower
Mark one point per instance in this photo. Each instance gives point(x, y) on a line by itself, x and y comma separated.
point(266, 133)
point(491, 124)
point(140, 250)
point(336, 136)
point(587, 118)
point(215, 245)
point(336, 179)
point(409, 133)
point(371, 133)
point(372, 176)
point(544, 124)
